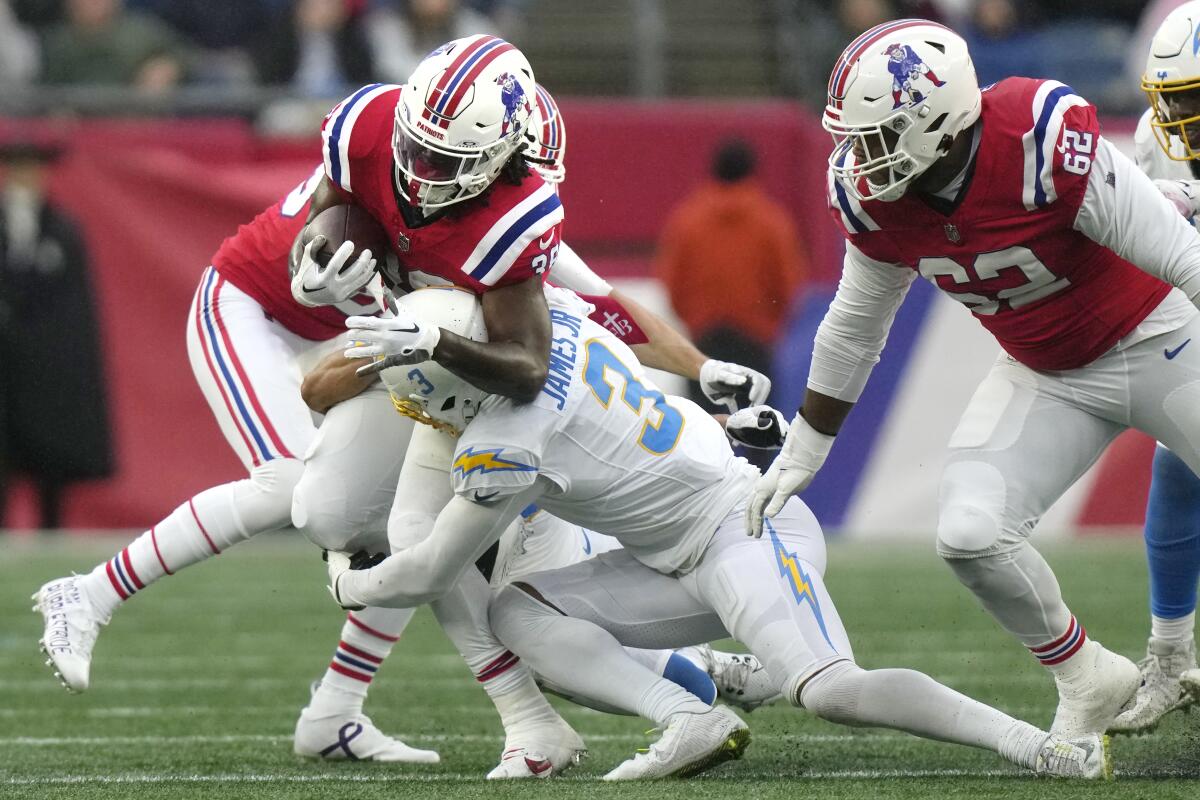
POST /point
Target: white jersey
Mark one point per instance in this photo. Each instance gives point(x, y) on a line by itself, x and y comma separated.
point(1150, 157)
point(654, 471)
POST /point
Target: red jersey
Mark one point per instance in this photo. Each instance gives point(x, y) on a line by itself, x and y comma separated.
point(1007, 248)
point(502, 238)
point(255, 260)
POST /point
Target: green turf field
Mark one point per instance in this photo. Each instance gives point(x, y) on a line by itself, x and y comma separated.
point(196, 685)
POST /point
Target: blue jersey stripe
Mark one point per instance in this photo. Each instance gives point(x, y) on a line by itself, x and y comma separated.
point(542, 209)
point(1039, 138)
point(214, 344)
point(844, 200)
point(335, 162)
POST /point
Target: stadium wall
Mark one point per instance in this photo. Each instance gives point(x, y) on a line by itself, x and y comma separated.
point(156, 199)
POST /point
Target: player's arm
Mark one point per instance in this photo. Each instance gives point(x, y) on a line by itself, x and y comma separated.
point(1124, 211)
point(333, 380)
point(664, 347)
point(846, 349)
point(426, 571)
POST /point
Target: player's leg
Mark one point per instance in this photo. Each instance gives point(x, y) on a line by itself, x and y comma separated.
point(1172, 534)
point(1165, 398)
point(770, 594)
point(537, 739)
point(541, 542)
point(342, 503)
point(245, 365)
point(570, 625)
point(1021, 442)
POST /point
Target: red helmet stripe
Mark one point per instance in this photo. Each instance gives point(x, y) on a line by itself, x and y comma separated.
point(437, 96)
point(463, 86)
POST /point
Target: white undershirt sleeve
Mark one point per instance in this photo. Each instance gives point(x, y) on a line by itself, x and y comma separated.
point(856, 326)
point(572, 272)
point(1123, 211)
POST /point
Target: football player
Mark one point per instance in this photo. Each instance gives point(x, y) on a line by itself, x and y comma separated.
point(602, 448)
point(1165, 152)
point(249, 343)
point(320, 508)
point(1012, 203)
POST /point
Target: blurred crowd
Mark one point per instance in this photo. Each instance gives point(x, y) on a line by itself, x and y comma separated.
point(319, 48)
point(315, 48)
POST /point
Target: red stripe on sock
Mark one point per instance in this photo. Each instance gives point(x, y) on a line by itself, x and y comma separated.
point(115, 581)
point(354, 651)
point(338, 668)
point(1059, 642)
point(129, 568)
point(372, 631)
point(495, 670)
point(1074, 649)
point(196, 517)
point(154, 541)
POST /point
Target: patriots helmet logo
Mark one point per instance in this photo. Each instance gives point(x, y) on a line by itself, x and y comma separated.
point(907, 69)
point(512, 95)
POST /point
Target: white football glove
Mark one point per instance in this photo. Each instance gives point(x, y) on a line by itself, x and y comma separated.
point(760, 427)
point(314, 285)
point(401, 339)
point(1184, 195)
point(792, 471)
point(338, 563)
point(733, 384)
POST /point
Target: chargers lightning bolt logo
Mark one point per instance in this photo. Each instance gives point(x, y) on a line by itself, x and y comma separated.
point(470, 460)
point(801, 584)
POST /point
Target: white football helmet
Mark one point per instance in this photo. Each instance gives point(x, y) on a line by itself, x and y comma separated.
point(462, 114)
point(549, 149)
point(1173, 67)
point(428, 392)
point(895, 94)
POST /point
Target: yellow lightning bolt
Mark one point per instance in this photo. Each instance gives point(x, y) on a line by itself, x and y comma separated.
point(799, 584)
point(469, 461)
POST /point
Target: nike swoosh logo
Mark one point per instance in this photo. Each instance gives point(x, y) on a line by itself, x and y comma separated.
point(587, 543)
point(1172, 353)
point(544, 243)
point(485, 498)
point(413, 329)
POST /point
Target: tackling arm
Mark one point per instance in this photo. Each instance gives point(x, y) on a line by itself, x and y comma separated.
point(846, 349)
point(333, 380)
point(426, 571)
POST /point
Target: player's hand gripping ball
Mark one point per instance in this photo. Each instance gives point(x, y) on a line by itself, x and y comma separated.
point(338, 256)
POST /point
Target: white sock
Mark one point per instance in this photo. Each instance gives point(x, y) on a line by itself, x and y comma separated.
point(1181, 630)
point(911, 701)
point(368, 636)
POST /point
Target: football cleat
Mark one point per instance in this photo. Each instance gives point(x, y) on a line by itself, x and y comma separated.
point(1160, 692)
point(1090, 701)
point(691, 744)
point(1190, 681)
point(539, 751)
point(71, 627)
point(1086, 757)
point(352, 738)
point(741, 679)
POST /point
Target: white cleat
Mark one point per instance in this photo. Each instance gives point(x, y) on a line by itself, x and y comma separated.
point(539, 751)
point(71, 627)
point(741, 679)
point(352, 738)
point(1160, 692)
point(1085, 757)
point(1091, 700)
point(691, 744)
point(1190, 681)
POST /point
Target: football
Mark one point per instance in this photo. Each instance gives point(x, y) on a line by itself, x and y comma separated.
point(346, 223)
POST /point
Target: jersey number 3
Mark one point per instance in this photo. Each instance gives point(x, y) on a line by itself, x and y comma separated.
point(658, 438)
